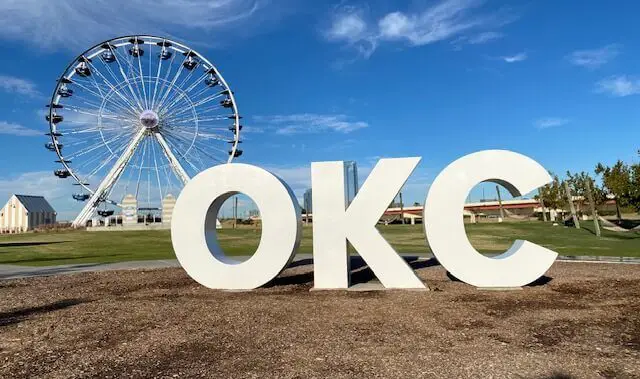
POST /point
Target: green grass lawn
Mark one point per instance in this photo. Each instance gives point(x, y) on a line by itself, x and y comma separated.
point(43, 249)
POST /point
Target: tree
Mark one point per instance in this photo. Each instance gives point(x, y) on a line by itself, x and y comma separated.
point(394, 204)
point(577, 183)
point(634, 193)
point(623, 181)
point(618, 181)
point(552, 194)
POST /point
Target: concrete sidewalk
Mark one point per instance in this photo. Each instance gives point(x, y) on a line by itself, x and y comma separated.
point(16, 272)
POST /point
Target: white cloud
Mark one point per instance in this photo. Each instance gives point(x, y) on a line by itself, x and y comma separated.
point(348, 25)
point(39, 183)
point(514, 58)
point(42, 183)
point(297, 177)
point(20, 86)
point(76, 23)
point(484, 38)
point(550, 122)
point(442, 21)
point(594, 58)
point(619, 86)
point(252, 130)
point(309, 123)
point(477, 39)
point(397, 25)
point(18, 130)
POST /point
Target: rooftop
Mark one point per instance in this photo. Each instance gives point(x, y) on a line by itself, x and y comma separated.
point(35, 203)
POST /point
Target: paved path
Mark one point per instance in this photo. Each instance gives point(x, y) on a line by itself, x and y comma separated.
point(15, 272)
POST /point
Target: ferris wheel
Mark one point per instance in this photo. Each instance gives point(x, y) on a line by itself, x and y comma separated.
point(139, 116)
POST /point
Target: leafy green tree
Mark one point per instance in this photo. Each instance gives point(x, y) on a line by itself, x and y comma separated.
point(552, 194)
point(617, 180)
point(578, 186)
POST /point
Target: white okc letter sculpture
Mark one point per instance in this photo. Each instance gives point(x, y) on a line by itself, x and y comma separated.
point(333, 224)
point(194, 236)
point(193, 227)
point(524, 262)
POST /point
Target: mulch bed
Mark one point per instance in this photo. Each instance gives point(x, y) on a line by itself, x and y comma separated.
point(583, 321)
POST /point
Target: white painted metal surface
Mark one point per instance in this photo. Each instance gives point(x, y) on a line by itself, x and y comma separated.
point(193, 228)
point(194, 235)
point(333, 225)
point(175, 163)
point(524, 262)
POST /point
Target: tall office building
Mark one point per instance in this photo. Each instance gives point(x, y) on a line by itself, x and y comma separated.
point(350, 187)
point(308, 204)
point(350, 181)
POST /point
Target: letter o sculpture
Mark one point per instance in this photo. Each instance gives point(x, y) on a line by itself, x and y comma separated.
point(194, 235)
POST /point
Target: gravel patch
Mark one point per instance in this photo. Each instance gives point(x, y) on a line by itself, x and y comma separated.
point(582, 321)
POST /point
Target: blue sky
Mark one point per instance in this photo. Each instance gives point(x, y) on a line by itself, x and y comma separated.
point(356, 80)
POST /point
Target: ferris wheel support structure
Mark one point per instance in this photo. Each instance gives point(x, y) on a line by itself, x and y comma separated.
point(173, 161)
point(103, 189)
point(99, 196)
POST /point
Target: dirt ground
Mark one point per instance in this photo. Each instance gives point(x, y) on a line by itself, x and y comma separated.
point(582, 321)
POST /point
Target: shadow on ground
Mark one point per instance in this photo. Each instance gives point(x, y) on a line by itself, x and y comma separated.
point(541, 281)
point(23, 314)
point(558, 375)
point(360, 271)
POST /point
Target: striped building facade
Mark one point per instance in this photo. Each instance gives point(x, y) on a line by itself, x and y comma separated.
point(23, 213)
point(129, 210)
point(167, 208)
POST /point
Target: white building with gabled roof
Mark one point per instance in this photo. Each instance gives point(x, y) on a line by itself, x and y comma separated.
point(23, 213)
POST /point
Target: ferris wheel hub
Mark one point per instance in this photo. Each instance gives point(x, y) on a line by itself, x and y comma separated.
point(149, 119)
